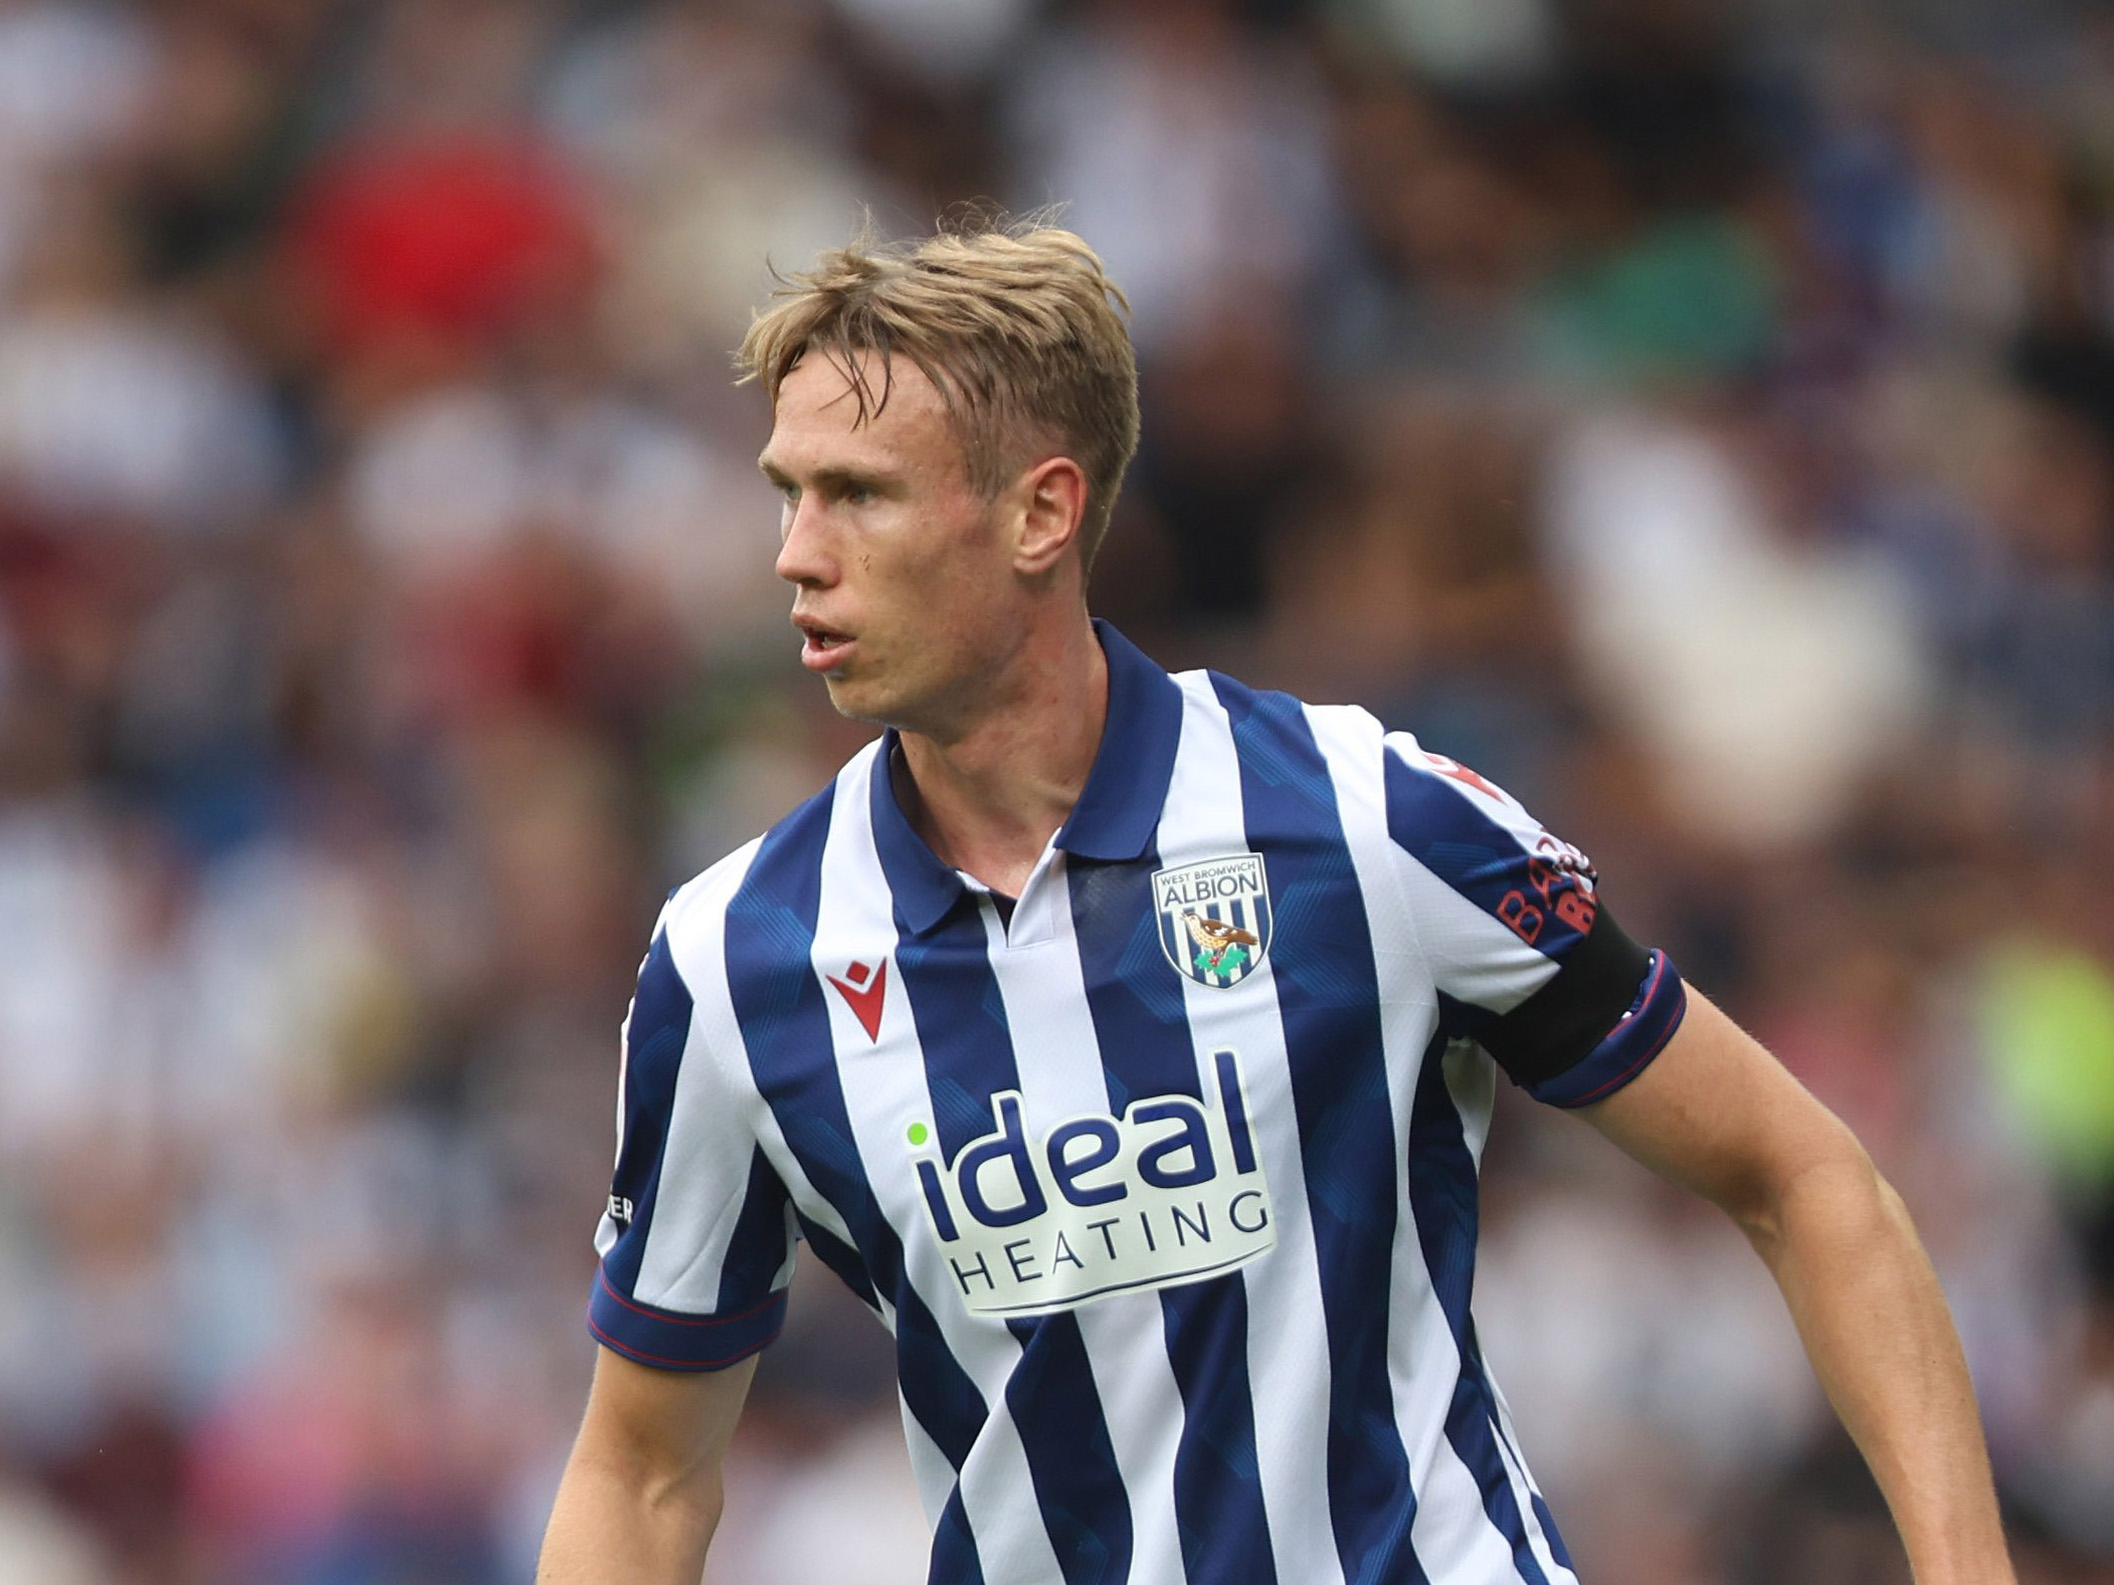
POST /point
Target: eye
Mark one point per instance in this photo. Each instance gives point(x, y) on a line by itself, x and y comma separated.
point(858, 495)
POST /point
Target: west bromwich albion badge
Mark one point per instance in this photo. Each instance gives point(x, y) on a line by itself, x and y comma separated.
point(1214, 918)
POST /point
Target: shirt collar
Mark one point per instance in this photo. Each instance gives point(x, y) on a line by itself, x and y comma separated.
point(1117, 813)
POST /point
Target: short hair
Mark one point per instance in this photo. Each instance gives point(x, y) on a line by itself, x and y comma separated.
point(1017, 325)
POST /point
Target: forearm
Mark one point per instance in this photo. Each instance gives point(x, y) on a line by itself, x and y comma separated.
point(1876, 1327)
point(615, 1525)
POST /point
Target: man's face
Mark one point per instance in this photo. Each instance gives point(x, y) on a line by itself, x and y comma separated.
point(905, 595)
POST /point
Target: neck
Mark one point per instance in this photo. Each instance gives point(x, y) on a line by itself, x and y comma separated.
point(988, 797)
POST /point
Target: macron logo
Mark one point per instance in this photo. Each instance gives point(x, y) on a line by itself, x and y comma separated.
point(864, 995)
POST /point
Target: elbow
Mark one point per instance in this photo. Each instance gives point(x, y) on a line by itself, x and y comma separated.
point(1829, 1188)
point(695, 1498)
point(665, 1493)
point(691, 1499)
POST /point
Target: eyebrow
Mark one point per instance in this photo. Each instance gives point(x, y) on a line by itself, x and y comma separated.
point(826, 479)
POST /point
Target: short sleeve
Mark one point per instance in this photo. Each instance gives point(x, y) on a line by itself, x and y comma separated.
point(1526, 959)
point(697, 1240)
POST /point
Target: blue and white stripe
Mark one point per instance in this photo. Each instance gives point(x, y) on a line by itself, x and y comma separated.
point(1315, 1409)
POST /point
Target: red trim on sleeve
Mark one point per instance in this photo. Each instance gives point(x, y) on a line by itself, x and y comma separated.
point(667, 1319)
point(644, 1358)
point(1636, 1067)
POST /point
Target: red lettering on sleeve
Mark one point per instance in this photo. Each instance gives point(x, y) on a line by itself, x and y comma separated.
point(1520, 916)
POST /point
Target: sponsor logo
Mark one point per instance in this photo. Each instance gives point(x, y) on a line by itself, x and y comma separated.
point(621, 1210)
point(1454, 769)
point(1214, 918)
point(1168, 1193)
point(864, 994)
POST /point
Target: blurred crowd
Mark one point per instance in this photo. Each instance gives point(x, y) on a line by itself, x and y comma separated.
point(1697, 416)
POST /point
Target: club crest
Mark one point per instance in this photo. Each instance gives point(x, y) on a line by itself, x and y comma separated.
point(1214, 918)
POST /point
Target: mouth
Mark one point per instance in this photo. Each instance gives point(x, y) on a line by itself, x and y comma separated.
point(822, 649)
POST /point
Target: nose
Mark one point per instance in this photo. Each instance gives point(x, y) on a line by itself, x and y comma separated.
point(803, 557)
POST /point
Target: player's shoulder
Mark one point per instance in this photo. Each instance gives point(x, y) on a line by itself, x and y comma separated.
point(697, 909)
point(700, 903)
point(1262, 718)
point(1416, 785)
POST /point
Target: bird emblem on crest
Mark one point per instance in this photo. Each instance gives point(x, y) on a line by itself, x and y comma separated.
point(1215, 940)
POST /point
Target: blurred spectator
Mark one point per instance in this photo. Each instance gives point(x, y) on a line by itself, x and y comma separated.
point(39, 1547)
point(1191, 150)
point(117, 403)
point(1767, 676)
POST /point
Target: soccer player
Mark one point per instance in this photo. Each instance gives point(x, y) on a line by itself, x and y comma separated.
point(1127, 1042)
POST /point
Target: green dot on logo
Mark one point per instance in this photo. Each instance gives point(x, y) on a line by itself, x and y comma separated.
point(918, 1134)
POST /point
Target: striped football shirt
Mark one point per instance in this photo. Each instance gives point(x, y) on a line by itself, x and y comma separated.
point(1164, 1180)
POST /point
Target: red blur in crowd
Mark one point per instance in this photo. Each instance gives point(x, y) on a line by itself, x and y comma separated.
point(454, 240)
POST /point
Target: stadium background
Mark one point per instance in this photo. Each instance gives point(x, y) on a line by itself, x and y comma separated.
point(1699, 418)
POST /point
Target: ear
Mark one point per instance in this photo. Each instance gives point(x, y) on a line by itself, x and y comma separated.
point(1053, 496)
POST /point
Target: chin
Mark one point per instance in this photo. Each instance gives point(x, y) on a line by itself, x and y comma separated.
point(879, 706)
point(858, 702)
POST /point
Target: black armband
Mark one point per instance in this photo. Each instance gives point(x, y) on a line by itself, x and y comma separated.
point(1559, 1026)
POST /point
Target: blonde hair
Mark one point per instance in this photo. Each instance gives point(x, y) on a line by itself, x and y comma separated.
point(1015, 323)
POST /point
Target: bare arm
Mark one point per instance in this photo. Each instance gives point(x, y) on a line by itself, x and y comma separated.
point(641, 1493)
point(1717, 1114)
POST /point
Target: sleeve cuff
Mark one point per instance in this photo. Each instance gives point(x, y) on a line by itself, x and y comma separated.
point(668, 1341)
point(1629, 1048)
